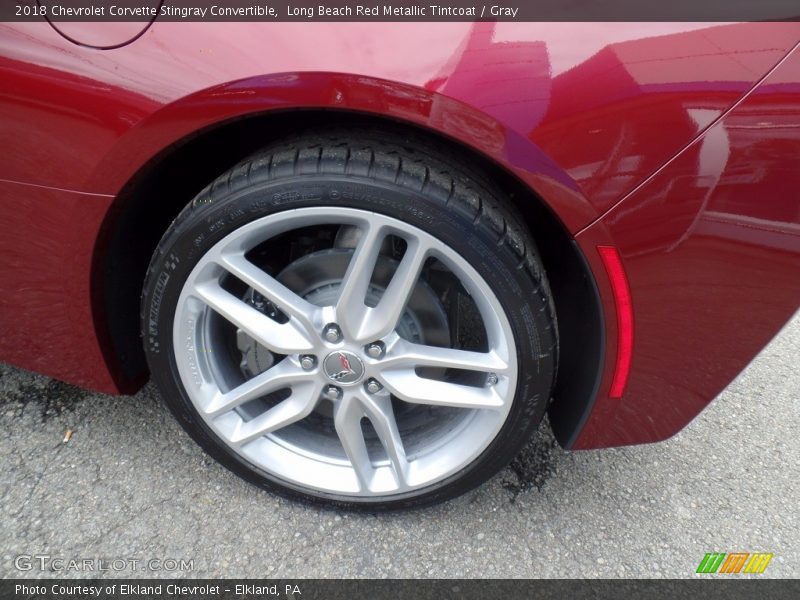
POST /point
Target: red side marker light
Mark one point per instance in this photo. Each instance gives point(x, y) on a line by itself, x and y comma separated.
point(624, 308)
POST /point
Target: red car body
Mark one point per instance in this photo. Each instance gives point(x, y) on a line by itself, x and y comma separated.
point(678, 145)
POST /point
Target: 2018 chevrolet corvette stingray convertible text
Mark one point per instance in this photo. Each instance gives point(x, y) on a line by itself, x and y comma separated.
point(362, 261)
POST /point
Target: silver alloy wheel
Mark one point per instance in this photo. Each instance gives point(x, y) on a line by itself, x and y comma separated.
point(359, 383)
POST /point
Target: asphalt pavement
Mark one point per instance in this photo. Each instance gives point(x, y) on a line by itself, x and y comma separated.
point(130, 485)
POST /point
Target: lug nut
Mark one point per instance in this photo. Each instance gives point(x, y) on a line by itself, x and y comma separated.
point(332, 392)
point(332, 333)
point(308, 361)
point(373, 387)
point(376, 350)
point(491, 379)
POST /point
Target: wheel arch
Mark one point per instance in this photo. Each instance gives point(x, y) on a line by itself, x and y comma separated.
point(149, 199)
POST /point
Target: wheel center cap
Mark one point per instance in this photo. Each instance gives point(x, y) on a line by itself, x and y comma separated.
point(343, 367)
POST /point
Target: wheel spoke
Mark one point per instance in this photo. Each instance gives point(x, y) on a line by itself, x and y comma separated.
point(282, 338)
point(269, 287)
point(408, 386)
point(405, 355)
point(282, 375)
point(380, 412)
point(347, 420)
point(350, 307)
point(296, 407)
point(382, 319)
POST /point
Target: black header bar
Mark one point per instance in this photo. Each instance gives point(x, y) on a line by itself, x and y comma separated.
point(400, 10)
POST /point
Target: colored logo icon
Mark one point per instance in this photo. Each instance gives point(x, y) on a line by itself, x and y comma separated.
point(736, 562)
point(343, 367)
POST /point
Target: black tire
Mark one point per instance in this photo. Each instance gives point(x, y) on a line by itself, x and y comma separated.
point(404, 178)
